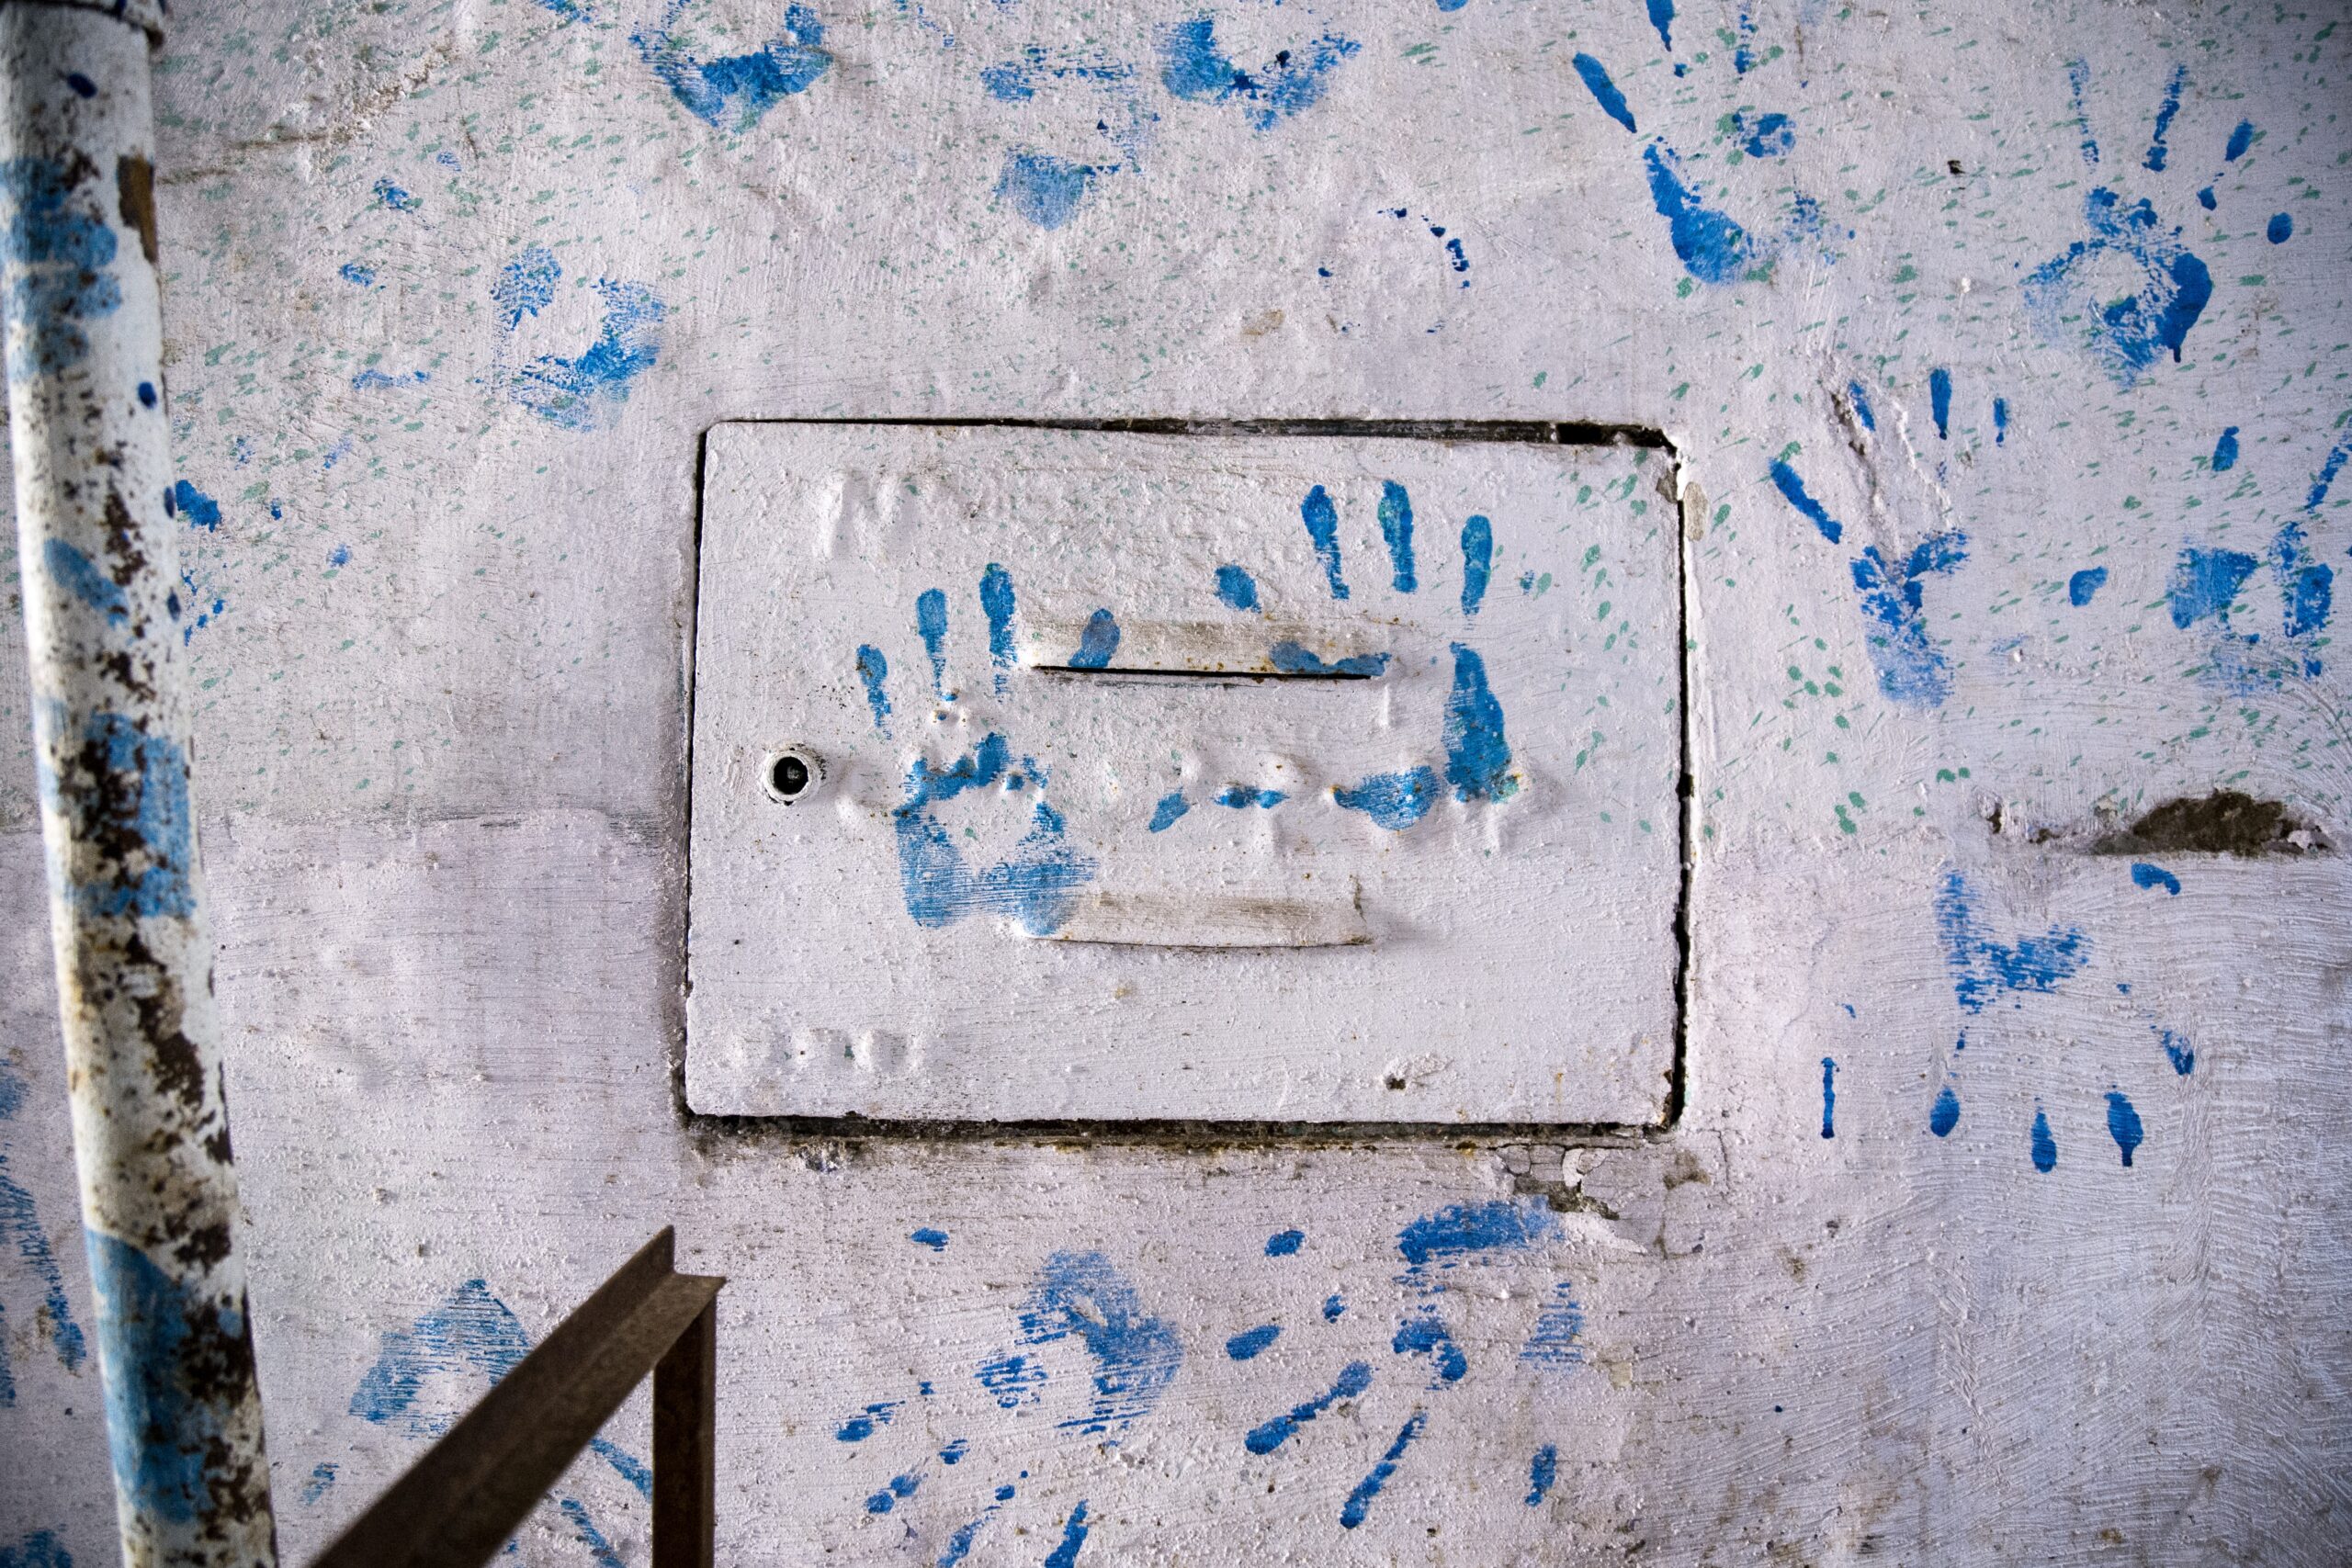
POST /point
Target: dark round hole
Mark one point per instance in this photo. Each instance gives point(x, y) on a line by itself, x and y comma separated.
point(789, 775)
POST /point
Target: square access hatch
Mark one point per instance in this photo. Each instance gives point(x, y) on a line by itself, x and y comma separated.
point(1062, 775)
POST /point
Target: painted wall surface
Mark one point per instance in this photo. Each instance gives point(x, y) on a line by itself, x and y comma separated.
point(2003, 349)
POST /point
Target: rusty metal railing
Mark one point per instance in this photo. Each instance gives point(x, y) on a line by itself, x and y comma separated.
point(464, 1499)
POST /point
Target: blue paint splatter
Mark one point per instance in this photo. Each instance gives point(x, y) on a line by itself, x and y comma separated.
point(2146, 875)
point(1136, 1354)
point(1396, 528)
point(1939, 402)
point(633, 1470)
point(1911, 670)
point(1171, 807)
point(2125, 335)
point(584, 392)
point(2281, 228)
point(1284, 1244)
point(1073, 1537)
point(2178, 1050)
point(156, 1335)
point(1604, 91)
point(900, 1487)
point(1295, 659)
point(1246, 1345)
point(1945, 1116)
point(1037, 884)
point(1235, 588)
point(147, 394)
point(862, 1425)
point(1767, 136)
point(1861, 400)
point(929, 1236)
point(1789, 485)
point(20, 1222)
point(1477, 752)
point(1358, 1503)
point(1983, 969)
point(2166, 110)
point(1542, 1472)
point(1712, 248)
point(874, 669)
point(2205, 583)
point(1193, 68)
point(2225, 451)
point(339, 556)
point(2326, 477)
point(1043, 188)
point(356, 274)
point(81, 577)
point(931, 624)
point(1829, 1096)
point(1453, 1234)
point(2205, 198)
point(396, 198)
point(1393, 801)
point(58, 264)
point(1241, 796)
point(2044, 1146)
point(1333, 1305)
point(2240, 139)
point(747, 85)
point(996, 603)
point(2084, 584)
point(2000, 422)
point(526, 286)
point(1322, 519)
point(1354, 1378)
point(1558, 1339)
point(1097, 643)
point(576, 1513)
point(1478, 563)
point(953, 1452)
point(320, 1481)
point(2123, 1124)
point(959, 1545)
point(1426, 1335)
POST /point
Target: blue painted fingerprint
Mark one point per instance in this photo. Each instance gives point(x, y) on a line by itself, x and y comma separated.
point(1241, 796)
point(1393, 801)
point(1044, 189)
point(1946, 1114)
point(1427, 1335)
point(2000, 421)
point(1073, 1537)
point(2084, 583)
point(2123, 1124)
point(1284, 1244)
point(1173, 806)
point(2240, 139)
point(931, 623)
point(1829, 1096)
point(1478, 563)
point(1542, 1472)
point(1712, 247)
point(2225, 451)
point(996, 603)
point(1097, 643)
point(1246, 1345)
point(2146, 875)
point(1322, 519)
point(1792, 487)
point(2281, 228)
point(2166, 110)
point(1604, 91)
point(874, 669)
point(931, 1237)
point(1235, 588)
point(1862, 405)
point(2044, 1146)
point(1939, 402)
point(1396, 528)
point(2178, 1050)
point(1477, 752)
point(1354, 1378)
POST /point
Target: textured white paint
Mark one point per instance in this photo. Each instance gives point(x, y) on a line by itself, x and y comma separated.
point(447, 798)
point(1240, 945)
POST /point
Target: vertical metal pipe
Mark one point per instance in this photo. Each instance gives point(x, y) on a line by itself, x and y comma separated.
point(98, 553)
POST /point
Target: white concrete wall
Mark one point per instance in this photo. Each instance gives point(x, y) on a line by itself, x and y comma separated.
point(441, 623)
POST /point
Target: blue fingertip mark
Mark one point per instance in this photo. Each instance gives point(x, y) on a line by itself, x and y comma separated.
point(2146, 875)
point(1829, 1096)
point(2044, 1146)
point(1354, 1378)
point(2000, 421)
point(1322, 519)
point(874, 669)
point(2166, 110)
point(1945, 1116)
point(2084, 583)
point(931, 624)
point(1333, 1305)
point(1396, 528)
point(191, 504)
point(2240, 139)
point(1604, 91)
point(1861, 400)
point(1427, 1335)
point(2281, 228)
point(2123, 1124)
point(2225, 451)
point(1711, 247)
point(1283, 1243)
point(1044, 189)
point(996, 603)
point(1542, 1472)
point(1558, 1339)
point(1477, 752)
point(1241, 796)
point(1358, 1503)
point(1478, 563)
point(1073, 1537)
point(2178, 1050)
point(1393, 801)
point(928, 1236)
point(147, 394)
point(1235, 588)
point(1172, 806)
point(1939, 402)
point(1295, 659)
point(1097, 643)
point(1246, 1345)
point(1790, 486)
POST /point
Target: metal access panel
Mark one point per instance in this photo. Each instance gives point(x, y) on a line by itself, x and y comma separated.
point(1053, 775)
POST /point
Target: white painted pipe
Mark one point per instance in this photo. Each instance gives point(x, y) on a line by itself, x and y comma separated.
point(99, 553)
